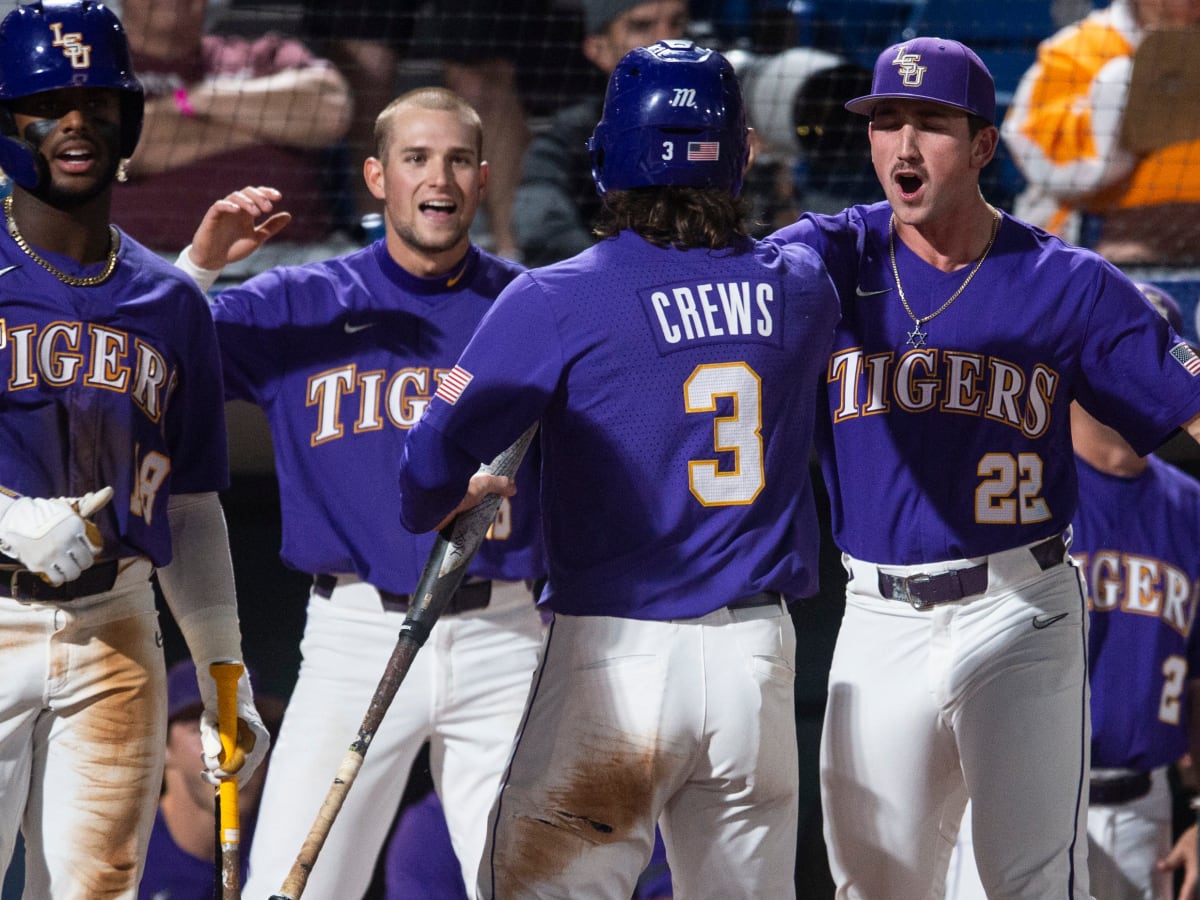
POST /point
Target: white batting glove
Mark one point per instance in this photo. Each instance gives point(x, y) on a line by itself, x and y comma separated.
point(53, 537)
point(253, 740)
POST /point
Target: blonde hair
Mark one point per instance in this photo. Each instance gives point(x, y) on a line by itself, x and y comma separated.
point(433, 98)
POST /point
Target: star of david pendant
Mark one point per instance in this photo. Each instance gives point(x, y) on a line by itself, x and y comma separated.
point(916, 337)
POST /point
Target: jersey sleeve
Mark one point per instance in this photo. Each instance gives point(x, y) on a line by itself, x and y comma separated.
point(252, 326)
point(1139, 376)
point(505, 379)
point(195, 424)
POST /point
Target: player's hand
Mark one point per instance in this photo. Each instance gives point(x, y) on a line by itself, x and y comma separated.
point(231, 229)
point(54, 537)
point(1185, 853)
point(481, 485)
point(253, 740)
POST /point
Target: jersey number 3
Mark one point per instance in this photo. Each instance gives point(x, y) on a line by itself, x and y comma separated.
point(739, 433)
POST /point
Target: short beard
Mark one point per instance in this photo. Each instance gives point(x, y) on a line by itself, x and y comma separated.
point(409, 236)
point(46, 191)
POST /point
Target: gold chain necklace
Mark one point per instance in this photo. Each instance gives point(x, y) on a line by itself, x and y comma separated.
point(73, 280)
point(917, 337)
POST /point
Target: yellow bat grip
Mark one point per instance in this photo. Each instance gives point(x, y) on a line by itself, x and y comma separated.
point(226, 675)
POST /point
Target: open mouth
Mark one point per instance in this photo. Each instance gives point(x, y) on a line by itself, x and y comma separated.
point(76, 159)
point(909, 184)
point(439, 207)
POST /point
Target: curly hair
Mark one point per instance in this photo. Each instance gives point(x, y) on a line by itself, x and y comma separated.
point(679, 217)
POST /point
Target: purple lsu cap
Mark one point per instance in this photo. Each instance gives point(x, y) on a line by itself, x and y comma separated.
point(935, 69)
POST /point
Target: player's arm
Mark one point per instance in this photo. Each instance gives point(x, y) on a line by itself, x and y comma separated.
point(436, 479)
point(198, 587)
point(232, 229)
point(1192, 427)
point(1186, 852)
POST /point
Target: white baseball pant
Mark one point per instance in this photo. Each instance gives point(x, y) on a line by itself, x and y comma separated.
point(690, 723)
point(464, 692)
point(83, 718)
point(984, 697)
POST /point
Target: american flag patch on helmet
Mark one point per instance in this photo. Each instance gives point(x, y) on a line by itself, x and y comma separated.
point(703, 151)
point(453, 384)
point(1185, 357)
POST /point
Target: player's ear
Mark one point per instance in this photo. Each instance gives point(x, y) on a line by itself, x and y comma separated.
point(373, 176)
point(984, 147)
point(483, 179)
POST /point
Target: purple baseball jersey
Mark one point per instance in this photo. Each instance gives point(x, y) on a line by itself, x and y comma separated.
point(675, 391)
point(962, 447)
point(115, 384)
point(1135, 539)
point(343, 356)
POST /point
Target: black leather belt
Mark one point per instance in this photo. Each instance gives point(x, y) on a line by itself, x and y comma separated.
point(762, 598)
point(470, 595)
point(923, 591)
point(22, 584)
point(1118, 790)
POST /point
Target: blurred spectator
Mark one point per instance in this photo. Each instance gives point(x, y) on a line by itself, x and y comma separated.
point(481, 47)
point(222, 112)
point(556, 200)
point(180, 861)
point(1067, 131)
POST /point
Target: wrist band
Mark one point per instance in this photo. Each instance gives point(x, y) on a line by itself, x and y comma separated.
point(184, 104)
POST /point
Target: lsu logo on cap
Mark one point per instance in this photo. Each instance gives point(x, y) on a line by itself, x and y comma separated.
point(911, 74)
point(73, 48)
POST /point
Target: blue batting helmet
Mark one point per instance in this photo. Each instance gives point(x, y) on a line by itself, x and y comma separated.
point(673, 115)
point(49, 45)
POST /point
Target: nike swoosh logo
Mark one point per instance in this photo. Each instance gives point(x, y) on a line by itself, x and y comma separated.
point(860, 292)
point(1040, 622)
point(351, 329)
point(8, 269)
point(454, 279)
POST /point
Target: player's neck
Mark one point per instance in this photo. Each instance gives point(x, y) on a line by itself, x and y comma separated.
point(950, 242)
point(81, 233)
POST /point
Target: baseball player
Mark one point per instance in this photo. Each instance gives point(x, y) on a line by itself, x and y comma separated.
point(1134, 540)
point(960, 665)
point(671, 367)
point(111, 390)
point(343, 356)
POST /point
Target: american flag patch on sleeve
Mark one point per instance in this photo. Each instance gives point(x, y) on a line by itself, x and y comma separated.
point(453, 384)
point(703, 151)
point(1185, 357)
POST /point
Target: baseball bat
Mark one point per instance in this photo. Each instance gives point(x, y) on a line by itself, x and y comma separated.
point(452, 551)
point(226, 675)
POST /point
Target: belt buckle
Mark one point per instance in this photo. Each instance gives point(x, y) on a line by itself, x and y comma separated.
point(916, 603)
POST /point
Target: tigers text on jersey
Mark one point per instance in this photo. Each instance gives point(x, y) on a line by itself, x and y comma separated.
point(1143, 647)
point(343, 356)
point(961, 446)
point(676, 393)
point(114, 384)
